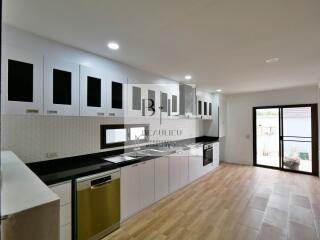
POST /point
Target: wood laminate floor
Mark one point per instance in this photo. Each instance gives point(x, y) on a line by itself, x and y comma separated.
point(234, 202)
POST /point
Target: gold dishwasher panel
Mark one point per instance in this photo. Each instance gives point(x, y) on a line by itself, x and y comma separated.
point(98, 205)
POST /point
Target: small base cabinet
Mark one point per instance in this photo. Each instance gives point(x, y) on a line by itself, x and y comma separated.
point(161, 177)
point(178, 170)
point(216, 155)
point(137, 188)
point(63, 190)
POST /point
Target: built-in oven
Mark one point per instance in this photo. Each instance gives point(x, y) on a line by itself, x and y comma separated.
point(207, 154)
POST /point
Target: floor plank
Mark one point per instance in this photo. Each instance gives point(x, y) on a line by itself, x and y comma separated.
point(234, 202)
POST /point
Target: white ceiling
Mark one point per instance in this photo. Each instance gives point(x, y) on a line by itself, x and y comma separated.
point(221, 43)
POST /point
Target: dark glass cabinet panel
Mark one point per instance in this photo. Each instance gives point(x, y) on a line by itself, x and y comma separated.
point(62, 87)
point(210, 109)
point(116, 92)
point(205, 108)
point(164, 102)
point(93, 92)
point(20, 81)
point(151, 99)
point(136, 98)
point(199, 107)
point(174, 103)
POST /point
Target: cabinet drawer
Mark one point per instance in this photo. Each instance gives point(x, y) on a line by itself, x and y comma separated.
point(65, 214)
point(65, 232)
point(63, 190)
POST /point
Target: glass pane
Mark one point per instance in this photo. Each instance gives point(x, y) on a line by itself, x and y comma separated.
point(117, 95)
point(199, 107)
point(61, 87)
point(297, 122)
point(137, 133)
point(210, 109)
point(136, 98)
point(205, 108)
point(267, 129)
point(94, 92)
point(152, 99)
point(164, 102)
point(298, 155)
point(174, 103)
point(20, 81)
point(116, 135)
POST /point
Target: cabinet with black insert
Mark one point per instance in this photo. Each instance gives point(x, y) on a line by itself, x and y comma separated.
point(61, 87)
point(22, 81)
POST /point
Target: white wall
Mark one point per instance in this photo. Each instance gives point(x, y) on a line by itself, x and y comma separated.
point(32, 137)
point(239, 142)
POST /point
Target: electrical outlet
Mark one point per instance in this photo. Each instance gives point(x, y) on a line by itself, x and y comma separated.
point(52, 155)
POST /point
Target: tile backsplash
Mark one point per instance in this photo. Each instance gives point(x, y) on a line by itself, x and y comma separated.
point(36, 138)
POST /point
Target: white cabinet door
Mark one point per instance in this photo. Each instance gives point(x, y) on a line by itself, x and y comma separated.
point(174, 174)
point(199, 107)
point(165, 101)
point(195, 163)
point(130, 191)
point(174, 98)
point(146, 183)
point(178, 170)
point(22, 82)
point(161, 177)
point(136, 93)
point(116, 94)
point(151, 102)
point(93, 92)
point(216, 157)
point(61, 87)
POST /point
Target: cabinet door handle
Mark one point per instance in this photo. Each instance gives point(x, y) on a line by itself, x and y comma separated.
point(100, 114)
point(52, 112)
point(135, 165)
point(112, 114)
point(143, 163)
point(32, 111)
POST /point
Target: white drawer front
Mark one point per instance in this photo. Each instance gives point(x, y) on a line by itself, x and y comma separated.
point(65, 214)
point(65, 232)
point(63, 191)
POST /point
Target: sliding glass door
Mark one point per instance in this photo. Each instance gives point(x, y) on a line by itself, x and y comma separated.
point(286, 137)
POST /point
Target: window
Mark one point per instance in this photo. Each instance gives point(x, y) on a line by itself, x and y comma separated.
point(119, 135)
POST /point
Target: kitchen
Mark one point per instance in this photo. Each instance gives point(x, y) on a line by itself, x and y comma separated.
point(101, 141)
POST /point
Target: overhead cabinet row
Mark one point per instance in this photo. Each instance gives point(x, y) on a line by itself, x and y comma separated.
point(37, 84)
point(204, 107)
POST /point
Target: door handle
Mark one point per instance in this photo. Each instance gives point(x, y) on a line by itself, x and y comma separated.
point(52, 112)
point(100, 185)
point(100, 114)
point(32, 111)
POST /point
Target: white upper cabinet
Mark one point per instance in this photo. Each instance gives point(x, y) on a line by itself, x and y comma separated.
point(199, 107)
point(22, 82)
point(116, 94)
point(136, 92)
point(173, 100)
point(61, 87)
point(93, 92)
point(151, 102)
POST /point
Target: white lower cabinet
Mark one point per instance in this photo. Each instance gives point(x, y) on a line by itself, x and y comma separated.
point(161, 177)
point(137, 188)
point(195, 163)
point(63, 190)
point(178, 170)
point(216, 156)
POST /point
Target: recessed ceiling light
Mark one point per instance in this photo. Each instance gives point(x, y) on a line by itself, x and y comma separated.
point(188, 77)
point(219, 90)
point(113, 45)
point(272, 60)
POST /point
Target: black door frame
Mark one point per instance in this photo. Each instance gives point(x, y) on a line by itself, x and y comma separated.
point(314, 135)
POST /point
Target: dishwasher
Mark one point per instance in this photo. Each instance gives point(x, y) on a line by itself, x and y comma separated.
point(98, 205)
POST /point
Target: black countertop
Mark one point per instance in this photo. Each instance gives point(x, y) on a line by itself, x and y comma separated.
point(59, 170)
